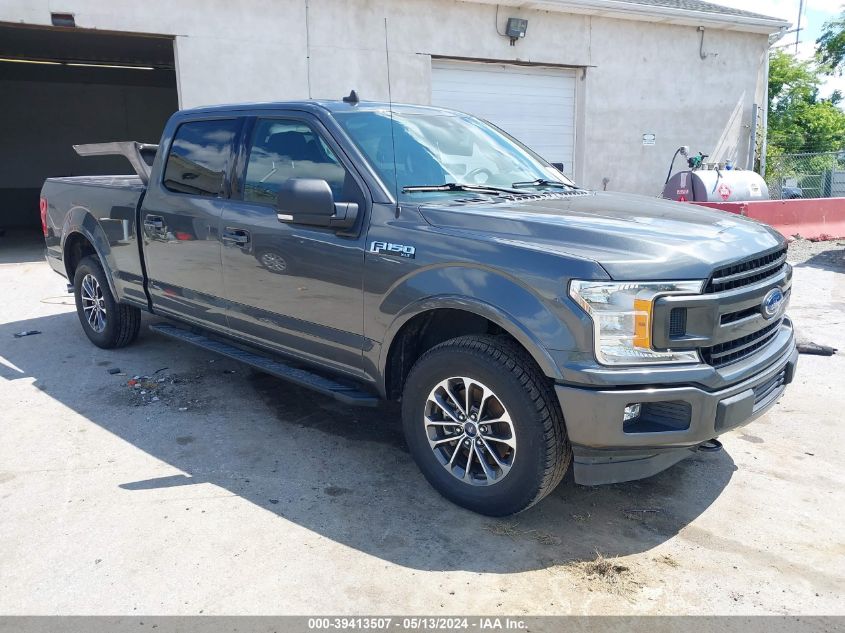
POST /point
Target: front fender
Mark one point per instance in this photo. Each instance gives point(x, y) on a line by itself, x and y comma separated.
point(505, 301)
point(80, 220)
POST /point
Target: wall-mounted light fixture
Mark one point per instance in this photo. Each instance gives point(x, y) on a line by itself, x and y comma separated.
point(515, 29)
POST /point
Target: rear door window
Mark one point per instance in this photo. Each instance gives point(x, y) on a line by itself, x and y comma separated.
point(200, 157)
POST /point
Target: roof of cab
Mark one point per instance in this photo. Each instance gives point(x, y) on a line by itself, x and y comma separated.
point(331, 106)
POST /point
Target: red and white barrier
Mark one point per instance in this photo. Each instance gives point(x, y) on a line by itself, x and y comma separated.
point(812, 218)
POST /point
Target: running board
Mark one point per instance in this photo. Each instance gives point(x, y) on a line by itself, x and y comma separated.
point(344, 393)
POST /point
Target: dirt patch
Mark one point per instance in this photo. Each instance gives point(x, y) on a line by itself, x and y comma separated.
point(303, 408)
point(178, 391)
point(668, 560)
point(641, 514)
point(336, 491)
point(512, 530)
point(606, 574)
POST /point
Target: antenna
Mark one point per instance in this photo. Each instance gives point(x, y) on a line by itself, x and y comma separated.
point(307, 49)
point(390, 108)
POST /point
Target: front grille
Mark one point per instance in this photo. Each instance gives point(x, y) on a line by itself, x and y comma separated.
point(737, 349)
point(747, 272)
point(763, 394)
point(731, 317)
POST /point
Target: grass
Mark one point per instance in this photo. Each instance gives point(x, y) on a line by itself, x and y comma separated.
point(608, 574)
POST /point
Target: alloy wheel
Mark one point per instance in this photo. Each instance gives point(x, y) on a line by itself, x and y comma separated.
point(93, 303)
point(470, 431)
point(274, 263)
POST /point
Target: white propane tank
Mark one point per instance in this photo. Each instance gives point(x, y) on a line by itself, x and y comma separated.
point(716, 185)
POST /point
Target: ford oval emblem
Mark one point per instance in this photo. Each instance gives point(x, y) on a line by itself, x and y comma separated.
point(772, 303)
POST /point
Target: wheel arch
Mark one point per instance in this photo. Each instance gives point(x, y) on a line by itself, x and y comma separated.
point(433, 320)
point(82, 236)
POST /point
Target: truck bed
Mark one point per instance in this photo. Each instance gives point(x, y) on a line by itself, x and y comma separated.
point(104, 209)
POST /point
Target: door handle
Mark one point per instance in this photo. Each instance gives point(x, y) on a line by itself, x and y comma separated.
point(234, 236)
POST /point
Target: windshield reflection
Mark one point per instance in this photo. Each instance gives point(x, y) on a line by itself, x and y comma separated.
point(433, 149)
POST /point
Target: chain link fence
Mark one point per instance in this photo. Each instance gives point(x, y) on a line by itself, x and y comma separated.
point(818, 175)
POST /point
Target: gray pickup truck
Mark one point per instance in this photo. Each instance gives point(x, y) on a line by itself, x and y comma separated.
point(377, 251)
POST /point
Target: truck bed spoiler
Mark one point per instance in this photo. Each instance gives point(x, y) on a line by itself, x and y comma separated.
point(140, 155)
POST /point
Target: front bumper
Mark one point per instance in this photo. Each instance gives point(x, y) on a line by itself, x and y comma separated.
point(686, 416)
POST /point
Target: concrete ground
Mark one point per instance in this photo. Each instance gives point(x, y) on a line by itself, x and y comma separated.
point(223, 491)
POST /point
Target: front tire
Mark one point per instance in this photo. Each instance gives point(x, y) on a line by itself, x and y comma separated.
point(484, 426)
point(107, 323)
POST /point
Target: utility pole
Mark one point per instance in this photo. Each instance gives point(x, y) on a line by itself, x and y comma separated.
point(798, 26)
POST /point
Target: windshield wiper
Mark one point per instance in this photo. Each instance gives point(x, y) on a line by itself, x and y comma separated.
point(456, 186)
point(542, 182)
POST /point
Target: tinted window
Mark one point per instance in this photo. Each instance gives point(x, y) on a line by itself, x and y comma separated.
point(283, 149)
point(199, 157)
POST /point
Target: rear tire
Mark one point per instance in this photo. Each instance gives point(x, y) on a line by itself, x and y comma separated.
point(498, 400)
point(107, 323)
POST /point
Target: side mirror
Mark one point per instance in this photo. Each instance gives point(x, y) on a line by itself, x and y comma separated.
point(558, 166)
point(310, 201)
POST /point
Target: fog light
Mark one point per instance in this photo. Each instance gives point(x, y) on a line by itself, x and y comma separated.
point(632, 412)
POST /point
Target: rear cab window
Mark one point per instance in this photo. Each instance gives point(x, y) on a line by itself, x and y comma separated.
point(200, 156)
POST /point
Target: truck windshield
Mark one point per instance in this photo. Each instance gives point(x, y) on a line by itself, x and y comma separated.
point(437, 154)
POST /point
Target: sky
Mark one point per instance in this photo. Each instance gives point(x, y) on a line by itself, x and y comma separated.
point(816, 12)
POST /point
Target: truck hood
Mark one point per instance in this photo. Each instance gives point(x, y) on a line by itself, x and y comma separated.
point(631, 237)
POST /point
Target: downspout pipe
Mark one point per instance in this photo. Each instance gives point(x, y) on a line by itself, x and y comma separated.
point(765, 118)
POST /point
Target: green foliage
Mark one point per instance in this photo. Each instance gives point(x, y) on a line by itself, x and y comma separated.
point(830, 47)
point(799, 121)
point(806, 134)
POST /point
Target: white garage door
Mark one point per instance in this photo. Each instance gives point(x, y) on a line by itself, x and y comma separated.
point(533, 104)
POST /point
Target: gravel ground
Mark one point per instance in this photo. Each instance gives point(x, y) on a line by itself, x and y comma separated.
point(823, 254)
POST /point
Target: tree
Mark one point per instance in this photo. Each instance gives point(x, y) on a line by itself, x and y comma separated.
point(830, 47)
point(800, 121)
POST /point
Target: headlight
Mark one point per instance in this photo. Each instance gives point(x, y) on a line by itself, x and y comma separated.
point(622, 319)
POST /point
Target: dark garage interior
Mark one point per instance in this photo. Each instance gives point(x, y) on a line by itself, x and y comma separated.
point(64, 86)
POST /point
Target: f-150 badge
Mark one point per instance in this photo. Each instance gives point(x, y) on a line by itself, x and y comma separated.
point(387, 248)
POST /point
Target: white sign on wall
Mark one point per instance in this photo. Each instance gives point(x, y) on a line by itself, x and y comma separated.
point(649, 139)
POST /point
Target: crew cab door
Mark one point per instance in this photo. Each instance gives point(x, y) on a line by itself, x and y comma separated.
point(180, 221)
point(294, 288)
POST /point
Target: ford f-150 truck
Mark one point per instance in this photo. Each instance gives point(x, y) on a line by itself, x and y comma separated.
point(376, 251)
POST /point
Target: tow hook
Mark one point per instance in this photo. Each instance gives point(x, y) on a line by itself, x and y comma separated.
point(710, 446)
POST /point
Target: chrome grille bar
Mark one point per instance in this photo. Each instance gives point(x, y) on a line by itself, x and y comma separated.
point(747, 272)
